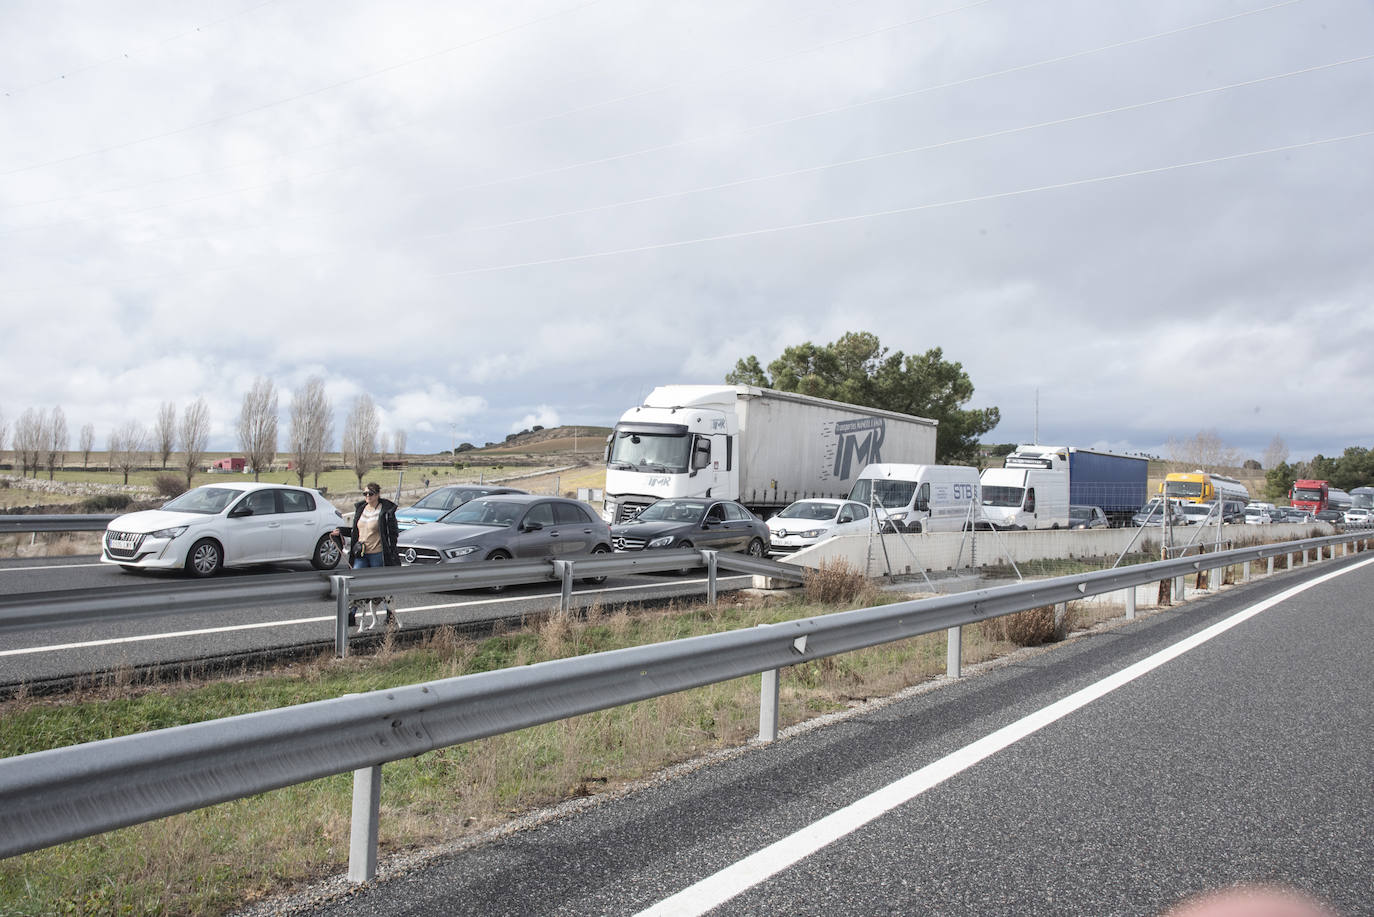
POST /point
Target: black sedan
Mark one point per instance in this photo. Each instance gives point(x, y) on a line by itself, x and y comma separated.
point(693, 522)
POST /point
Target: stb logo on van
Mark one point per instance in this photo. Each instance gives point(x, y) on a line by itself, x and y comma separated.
point(858, 443)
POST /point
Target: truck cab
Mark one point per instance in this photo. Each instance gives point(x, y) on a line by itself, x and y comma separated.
point(679, 451)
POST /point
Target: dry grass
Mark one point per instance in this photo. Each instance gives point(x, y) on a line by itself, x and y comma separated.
point(1032, 627)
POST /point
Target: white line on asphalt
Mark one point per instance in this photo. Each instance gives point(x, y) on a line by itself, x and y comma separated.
point(47, 567)
point(230, 628)
point(743, 875)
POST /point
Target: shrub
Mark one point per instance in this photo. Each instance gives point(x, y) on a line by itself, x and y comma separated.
point(836, 583)
point(170, 485)
point(106, 503)
point(1032, 627)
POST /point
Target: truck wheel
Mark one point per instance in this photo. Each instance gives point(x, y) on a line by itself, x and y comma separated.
point(915, 528)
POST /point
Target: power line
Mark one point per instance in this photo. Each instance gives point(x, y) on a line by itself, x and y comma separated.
point(716, 136)
point(831, 221)
point(898, 211)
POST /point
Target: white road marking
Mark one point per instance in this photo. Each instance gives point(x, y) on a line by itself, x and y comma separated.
point(230, 628)
point(48, 567)
point(743, 875)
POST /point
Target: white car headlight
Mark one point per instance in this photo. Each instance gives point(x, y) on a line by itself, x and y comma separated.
point(663, 542)
point(898, 516)
point(812, 533)
point(170, 533)
point(459, 552)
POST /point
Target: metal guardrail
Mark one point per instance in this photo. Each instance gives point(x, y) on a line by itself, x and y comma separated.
point(55, 523)
point(148, 600)
point(59, 795)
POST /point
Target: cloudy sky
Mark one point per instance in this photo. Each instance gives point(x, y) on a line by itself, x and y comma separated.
point(1156, 216)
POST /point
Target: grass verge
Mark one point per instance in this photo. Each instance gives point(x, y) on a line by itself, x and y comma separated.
point(219, 858)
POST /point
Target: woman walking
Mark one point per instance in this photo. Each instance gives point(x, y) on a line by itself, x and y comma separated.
point(374, 533)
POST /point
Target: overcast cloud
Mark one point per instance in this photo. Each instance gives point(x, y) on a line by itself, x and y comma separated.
point(1156, 215)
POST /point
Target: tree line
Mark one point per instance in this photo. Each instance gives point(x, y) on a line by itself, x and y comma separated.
point(42, 440)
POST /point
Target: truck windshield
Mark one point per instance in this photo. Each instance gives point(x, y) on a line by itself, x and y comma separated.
point(1304, 493)
point(1003, 496)
point(887, 494)
point(650, 452)
point(1183, 488)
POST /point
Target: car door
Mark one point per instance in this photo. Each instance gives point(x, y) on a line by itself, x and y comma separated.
point(536, 536)
point(715, 533)
point(253, 537)
point(851, 520)
point(574, 530)
point(300, 525)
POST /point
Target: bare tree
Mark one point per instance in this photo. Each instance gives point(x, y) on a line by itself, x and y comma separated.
point(165, 430)
point(383, 444)
point(57, 440)
point(85, 443)
point(128, 443)
point(195, 432)
point(258, 425)
point(4, 431)
point(1276, 454)
point(400, 443)
point(1206, 451)
point(312, 428)
point(360, 436)
point(29, 436)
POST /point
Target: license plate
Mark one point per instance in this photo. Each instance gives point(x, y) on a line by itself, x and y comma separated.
point(120, 545)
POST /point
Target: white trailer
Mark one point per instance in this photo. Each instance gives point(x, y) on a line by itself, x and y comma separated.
point(762, 447)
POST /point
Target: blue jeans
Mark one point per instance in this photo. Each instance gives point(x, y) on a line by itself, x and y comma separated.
point(369, 560)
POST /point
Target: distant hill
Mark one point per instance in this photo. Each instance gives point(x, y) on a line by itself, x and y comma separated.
point(579, 440)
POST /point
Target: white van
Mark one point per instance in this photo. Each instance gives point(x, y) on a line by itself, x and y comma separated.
point(919, 498)
point(1025, 498)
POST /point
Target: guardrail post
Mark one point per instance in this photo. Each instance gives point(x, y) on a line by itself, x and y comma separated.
point(1214, 578)
point(954, 651)
point(1304, 557)
point(1179, 585)
point(563, 569)
point(1245, 572)
point(1130, 603)
point(362, 841)
point(1269, 566)
point(768, 706)
point(710, 558)
point(340, 584)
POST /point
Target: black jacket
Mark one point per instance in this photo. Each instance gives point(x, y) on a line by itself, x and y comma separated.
point(390, 532)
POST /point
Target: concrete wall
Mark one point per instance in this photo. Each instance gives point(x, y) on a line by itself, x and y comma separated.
point(959, 550)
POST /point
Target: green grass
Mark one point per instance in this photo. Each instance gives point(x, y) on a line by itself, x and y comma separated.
point(212, 860)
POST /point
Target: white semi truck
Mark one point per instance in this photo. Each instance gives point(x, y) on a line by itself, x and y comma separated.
point(762, 447)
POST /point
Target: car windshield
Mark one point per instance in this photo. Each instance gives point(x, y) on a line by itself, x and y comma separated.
point(1003, 496)
point(484, 512)
point(1080, 514)
point(673, 511)
point(650, 452)
point(809, 510)
point(207, 500)
point(445, 498)
point(1152, 507)
point(887, 494)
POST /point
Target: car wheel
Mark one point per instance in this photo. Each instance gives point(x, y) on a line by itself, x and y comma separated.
point(598, 551)
point(327, 554)
point(206, 558)
point(498, 555)
point(684, 571)
point(914, 528)
point(755, 548)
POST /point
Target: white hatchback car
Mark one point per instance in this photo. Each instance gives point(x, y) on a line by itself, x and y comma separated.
point(227, 525)
point(808, 522)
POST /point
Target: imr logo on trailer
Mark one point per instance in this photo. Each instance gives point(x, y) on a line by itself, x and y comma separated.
point(859, 443)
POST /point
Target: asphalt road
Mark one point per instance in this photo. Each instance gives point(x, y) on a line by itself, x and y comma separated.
point(65, 652)
point(1244, 757)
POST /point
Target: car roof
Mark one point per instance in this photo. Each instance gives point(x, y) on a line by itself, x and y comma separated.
point(246, 486)
point(832, 501)
point(521, 497)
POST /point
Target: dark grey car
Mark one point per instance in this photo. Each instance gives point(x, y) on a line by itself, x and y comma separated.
point(505, 527)
point(693, 522)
